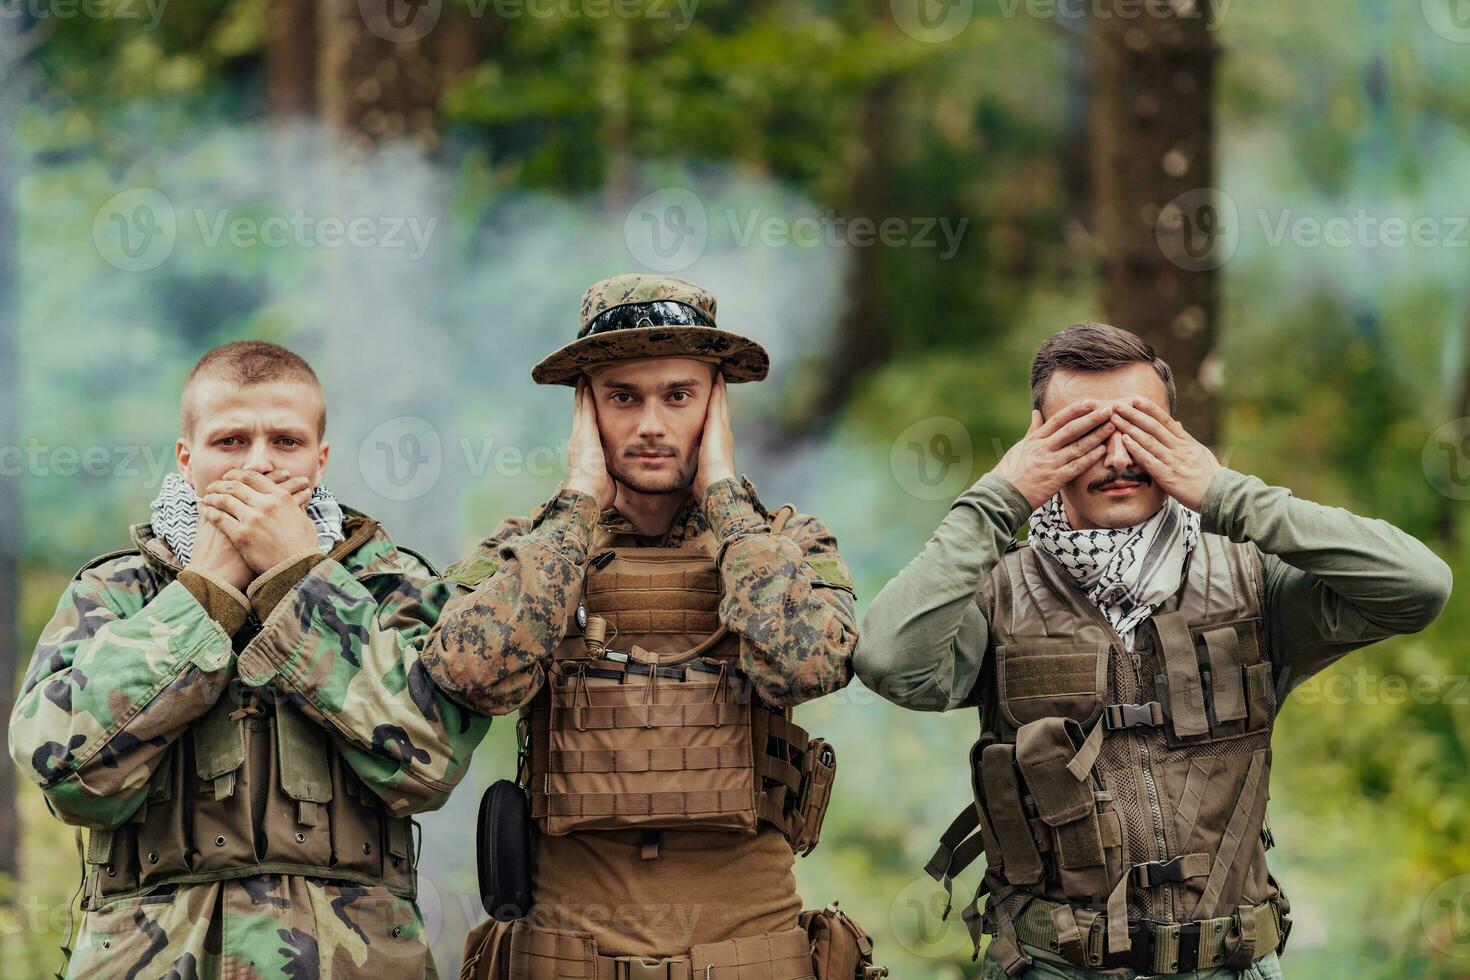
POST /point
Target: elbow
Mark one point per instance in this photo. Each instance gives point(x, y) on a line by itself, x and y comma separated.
point(1433, 595)
point(76, 807)
point(868, 668)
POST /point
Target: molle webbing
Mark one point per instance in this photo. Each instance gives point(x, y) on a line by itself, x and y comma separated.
point(1233, 940)
point(646, 720)
point(670, 600)
point(202, 820)
point(537, 953)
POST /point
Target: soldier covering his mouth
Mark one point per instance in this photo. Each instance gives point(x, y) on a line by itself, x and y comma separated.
point(236, 710)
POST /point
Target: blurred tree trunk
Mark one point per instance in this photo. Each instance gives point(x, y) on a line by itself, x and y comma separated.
point(16, 43)
point(1451, 509)
point(1153, 84)
point(290, 58)
point(374, 80)
point(862, 342)
point(612, 95)
point(458, 45)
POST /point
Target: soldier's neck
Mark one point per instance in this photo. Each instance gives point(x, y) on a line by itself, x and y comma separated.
point(649, 513)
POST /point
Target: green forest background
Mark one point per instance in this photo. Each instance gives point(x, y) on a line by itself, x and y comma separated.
point(1225, 181)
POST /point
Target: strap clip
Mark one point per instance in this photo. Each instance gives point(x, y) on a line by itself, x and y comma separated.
point(1119, 716)
point(642, 968)
point(1152, 873)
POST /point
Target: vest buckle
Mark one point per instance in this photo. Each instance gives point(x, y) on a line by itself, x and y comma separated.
point(1152, 873)
point(1116, 716)
point(644, 968)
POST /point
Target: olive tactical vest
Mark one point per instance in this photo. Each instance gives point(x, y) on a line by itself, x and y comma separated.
point(1111, 784)
point(646, 720)
point(253, 787)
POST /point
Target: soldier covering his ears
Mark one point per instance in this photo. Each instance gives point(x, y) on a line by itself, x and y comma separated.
point(1126, 662)
point(654, 623)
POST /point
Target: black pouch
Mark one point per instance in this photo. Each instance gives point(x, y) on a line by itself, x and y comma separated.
point(503, 850)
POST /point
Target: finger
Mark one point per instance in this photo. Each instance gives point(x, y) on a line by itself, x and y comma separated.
point(259, 482)
point(1078, 427)
point(1145, 430)
point(577, 408)
point(234, 488)
point(1088, 441)
point(226, 524)
point(302, 497)
point(1066, 414)
point(1035, 421)
point(1138, 411)
point(226, 503)
point(1150, 463)
point(1081, 464)
point(278, 476)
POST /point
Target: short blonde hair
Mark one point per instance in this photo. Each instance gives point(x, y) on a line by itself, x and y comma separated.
point(249, 362)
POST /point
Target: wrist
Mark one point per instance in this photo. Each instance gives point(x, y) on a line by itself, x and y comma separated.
point(729, 508)
point(590, 488)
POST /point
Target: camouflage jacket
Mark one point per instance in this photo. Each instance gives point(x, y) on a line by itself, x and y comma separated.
point(788, 596)
point(135, 655)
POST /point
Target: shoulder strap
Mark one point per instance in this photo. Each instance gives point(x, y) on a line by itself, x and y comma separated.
point(433, 570)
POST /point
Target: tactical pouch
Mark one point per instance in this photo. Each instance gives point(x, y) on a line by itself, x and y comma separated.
point(1047, 678)
point(296, 820)
point(550, 954)
point(164, 839)
point(1064, 798)
point(1214, 684)
point(840, 948)
point(503, 851)
point(818, 772)
point(486, 952)
point(782, 955)
point(1001, 792)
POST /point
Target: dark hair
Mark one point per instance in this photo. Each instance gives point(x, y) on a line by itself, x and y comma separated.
point(249, 362)
point(1094, 347)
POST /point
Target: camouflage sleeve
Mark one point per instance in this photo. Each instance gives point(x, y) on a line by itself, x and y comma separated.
point(347, 653)
point(788, 595)
point(115, 679)
point(491, 644)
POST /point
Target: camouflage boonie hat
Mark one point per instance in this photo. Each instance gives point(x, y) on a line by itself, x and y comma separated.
point(631, 317)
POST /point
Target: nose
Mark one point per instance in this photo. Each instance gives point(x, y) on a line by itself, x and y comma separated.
point(1116, 456)
point(259, 458)
point(651, 424)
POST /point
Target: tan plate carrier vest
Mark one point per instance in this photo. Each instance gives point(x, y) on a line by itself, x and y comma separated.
point(1105, 779)
point(253, 789)
point(646, 720)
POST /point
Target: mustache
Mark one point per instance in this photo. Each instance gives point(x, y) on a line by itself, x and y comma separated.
point(1128, 474)
point(650, 449)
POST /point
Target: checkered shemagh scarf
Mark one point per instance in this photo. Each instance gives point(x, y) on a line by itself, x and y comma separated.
point(1127, 571)
point(176, 517)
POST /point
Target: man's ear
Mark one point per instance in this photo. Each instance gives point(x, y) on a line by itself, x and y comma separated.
point(321, 463)
point(182, 457)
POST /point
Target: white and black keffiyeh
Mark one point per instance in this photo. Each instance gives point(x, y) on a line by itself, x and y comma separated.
point(1127, 571)
point(176, 517)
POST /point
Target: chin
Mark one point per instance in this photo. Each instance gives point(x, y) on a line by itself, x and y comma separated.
point(670, 483)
